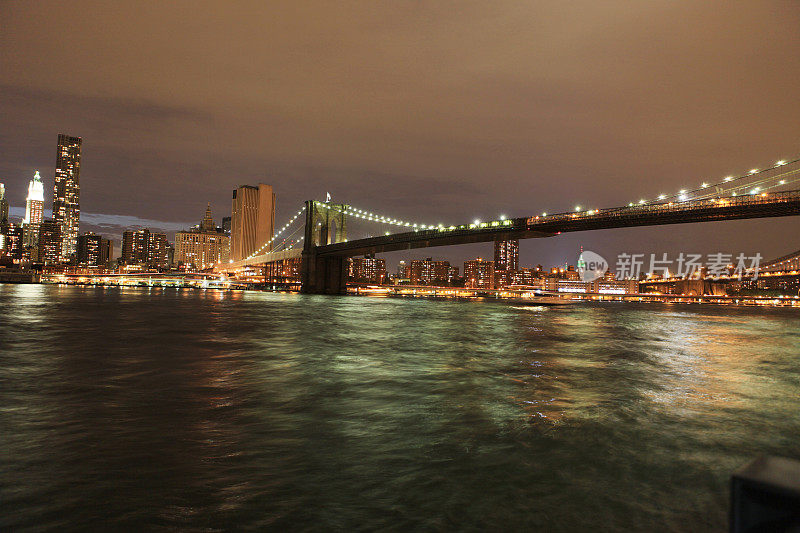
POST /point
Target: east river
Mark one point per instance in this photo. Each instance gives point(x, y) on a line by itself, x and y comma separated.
point(164, 409)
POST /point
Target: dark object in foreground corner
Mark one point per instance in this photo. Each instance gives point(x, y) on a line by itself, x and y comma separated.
point(765, 496)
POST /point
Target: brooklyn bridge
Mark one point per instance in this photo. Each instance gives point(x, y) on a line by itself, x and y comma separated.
point(322, 248)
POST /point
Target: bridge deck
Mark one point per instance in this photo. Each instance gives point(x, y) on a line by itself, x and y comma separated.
point(268, 257)
point(728, 208)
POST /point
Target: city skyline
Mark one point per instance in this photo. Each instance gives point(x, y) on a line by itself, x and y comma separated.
point(315, 266)
point(554, 135)
point(255, 209)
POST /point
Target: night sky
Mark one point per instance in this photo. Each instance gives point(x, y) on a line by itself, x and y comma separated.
point(431, 112)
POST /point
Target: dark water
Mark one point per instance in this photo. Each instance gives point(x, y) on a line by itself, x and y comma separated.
point(161, 409)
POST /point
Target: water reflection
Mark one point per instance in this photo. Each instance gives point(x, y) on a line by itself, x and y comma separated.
point(143, 408)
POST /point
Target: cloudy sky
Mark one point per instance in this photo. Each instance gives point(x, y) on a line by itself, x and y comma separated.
point(427, 111)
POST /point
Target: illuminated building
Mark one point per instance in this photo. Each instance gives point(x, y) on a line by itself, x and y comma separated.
point(157, 250)
point(786, 282)
point(66, 192)
point(49, 243)
point(506, 262)
point(34, 210)
point(506, 255)
point(12, 242)
point(3, 204)
point(93, 250)
point(203, 247)
point(402, 270)
point(145, 248)
point(452, 274)
point(429, 271)
point(599, 286)
point(252, 220)
point(503, 278)
point(226, 226)
point(611, 286)
point(479, 273)
point(525, 276)
point(368, 270)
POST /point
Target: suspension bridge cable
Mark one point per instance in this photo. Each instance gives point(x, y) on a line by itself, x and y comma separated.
point(264, 246)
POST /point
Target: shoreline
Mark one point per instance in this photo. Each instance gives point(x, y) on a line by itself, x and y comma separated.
point(461, 294)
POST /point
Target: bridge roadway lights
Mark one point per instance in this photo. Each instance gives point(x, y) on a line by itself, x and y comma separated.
point(323, 274)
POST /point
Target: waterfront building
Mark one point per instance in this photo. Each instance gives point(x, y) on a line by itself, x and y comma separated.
point(368, 270)
point(48, 249)
point(786, 282)
point(525, 276)
point(252, 220)
point(430, 272)
point(134, 247)
point(610, 285)
point(145, 248)
point(3, 205)
point(66, 191)
point(285, 270)
point(599, 286)
point(420, 271)
point(158, 251)
point(452, 274)
point(34, 210)
point(12, 242)
point(503, 278)
point(94, 250)
point(204, 246)
point(479, 273)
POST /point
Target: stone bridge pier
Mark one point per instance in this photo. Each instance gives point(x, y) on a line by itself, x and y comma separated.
point(326, 223)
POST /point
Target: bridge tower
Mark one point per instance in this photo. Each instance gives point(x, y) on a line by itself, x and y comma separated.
point(326, 223)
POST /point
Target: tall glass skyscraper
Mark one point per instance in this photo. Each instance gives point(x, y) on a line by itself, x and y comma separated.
point(66, 193)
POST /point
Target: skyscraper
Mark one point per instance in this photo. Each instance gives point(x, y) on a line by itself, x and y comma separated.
point(506, 262)
point(34, 210)
point(3, 205)
point(252, 220)
point(506, 255)
point(66, 192)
